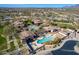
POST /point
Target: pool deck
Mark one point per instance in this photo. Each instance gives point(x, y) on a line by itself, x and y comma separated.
point(58, 34)
point(35, 45)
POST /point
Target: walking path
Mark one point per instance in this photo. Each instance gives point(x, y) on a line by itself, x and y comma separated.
point(8, 43)
point(15, 43)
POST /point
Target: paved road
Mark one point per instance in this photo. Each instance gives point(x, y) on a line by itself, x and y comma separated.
point(58, 47)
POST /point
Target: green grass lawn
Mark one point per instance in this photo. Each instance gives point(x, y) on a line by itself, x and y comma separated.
point(64, 25)
point(2, 40)
point(3, 43)
point(1, 29)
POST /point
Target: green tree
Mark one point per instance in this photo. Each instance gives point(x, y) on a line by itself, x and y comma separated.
point(28, 22)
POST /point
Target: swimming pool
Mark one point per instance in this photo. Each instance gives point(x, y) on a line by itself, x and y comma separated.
point(45, 39)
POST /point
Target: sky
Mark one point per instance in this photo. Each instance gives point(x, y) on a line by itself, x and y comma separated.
point(34, 5)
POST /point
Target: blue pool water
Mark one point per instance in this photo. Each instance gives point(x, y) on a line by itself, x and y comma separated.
point(45, 39)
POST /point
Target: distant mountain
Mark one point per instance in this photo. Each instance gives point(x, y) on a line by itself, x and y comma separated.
point(74, 6)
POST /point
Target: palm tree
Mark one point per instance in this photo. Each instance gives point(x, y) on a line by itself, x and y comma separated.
point(75, 31)
point(68, 35)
